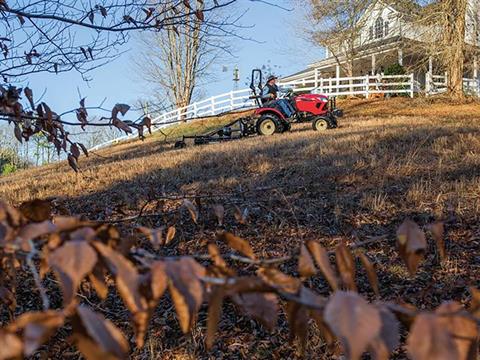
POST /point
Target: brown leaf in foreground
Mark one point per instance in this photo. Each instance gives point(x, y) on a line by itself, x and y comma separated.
point(389, 338)
point(411, 244)
point(279, 280)
point(261, 306)
point(297, 316)
point(306, 268)
point(237, 243)
point(355, 322)
point(10, 346)
point(36, 210)
point(97, 338)
point(214, 314)
point(475, 302)
point(38, 327)
point(371, 273)
point(463, 330)
point(72, 262)
point(186, 289)
point(127, 281)
point(321, 258)
point(346, 266)
point(430, 340)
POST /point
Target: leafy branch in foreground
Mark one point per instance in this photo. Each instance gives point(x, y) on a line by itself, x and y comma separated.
point(79, 251)
point(42, 120)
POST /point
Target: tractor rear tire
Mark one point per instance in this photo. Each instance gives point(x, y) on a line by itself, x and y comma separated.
point(268, 125)
point(320, 124)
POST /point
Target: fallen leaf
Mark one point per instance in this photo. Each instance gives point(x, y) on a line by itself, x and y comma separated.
point(437, 229)
point(154, 235)
point(170, 234)
point(237, 243)
point(219, 212)
point(241, 216)
point(192, 209)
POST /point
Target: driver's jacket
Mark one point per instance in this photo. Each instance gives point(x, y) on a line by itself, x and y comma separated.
point(269, 89)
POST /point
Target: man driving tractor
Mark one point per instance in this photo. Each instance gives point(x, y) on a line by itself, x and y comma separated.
point(270, 93)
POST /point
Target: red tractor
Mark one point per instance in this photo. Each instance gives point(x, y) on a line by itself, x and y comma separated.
point(318, 109)
point(270, 117)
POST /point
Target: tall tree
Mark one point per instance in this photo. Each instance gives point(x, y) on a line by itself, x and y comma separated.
point(454, 15)
point(175, 60)
point(55, 36)
point(337, 25)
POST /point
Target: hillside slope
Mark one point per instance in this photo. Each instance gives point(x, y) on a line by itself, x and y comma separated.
point(388, 160)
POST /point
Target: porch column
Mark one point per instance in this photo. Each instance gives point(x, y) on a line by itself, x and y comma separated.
point(400, 57)
point(430, 65)
point(374, 64)
point(337, 90)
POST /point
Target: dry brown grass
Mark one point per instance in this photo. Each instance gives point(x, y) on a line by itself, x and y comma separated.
point(390, 159)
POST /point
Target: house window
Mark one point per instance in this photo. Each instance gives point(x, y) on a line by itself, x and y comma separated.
point(379, 28)
point(386, 28)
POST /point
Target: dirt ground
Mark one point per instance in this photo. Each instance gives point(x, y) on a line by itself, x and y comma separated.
point(388, 160)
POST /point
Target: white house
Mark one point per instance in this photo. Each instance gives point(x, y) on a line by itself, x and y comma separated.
point(388, 36)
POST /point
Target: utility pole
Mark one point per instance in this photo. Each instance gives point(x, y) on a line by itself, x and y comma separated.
point(236, 78)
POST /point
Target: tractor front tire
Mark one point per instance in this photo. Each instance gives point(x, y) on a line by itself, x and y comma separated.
point(320, 124)
point(268, 125)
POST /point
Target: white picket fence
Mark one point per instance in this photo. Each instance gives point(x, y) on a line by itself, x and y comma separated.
point(437, 84)
point(365, 86)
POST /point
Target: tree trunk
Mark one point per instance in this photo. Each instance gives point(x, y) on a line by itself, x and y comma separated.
point(454, 42)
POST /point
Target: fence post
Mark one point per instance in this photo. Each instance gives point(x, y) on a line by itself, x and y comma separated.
point(232, 105)
point(321, 85)
point(179, 111)
point(412, 85)
point(428, 83)
point(367, 86)
point(330, 85)
point(195, 109)
point(316, 78)
point(212, 101)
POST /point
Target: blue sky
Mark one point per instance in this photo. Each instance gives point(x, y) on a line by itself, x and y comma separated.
point(278, 42)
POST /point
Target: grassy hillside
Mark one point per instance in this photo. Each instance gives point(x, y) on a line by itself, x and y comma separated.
point(388, 160)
